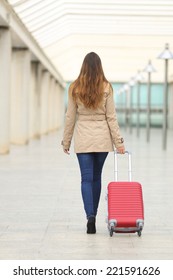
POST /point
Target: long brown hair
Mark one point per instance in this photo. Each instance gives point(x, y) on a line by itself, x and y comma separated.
point(89, 86)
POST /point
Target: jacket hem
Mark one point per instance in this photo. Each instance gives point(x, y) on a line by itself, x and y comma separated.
point(93, 151)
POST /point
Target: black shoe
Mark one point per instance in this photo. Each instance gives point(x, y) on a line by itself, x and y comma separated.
point(91, 227)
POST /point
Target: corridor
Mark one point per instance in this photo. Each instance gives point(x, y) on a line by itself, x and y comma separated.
point(42, 46)
point(41, 211)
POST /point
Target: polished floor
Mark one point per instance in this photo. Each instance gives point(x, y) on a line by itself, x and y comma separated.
point(41, 211)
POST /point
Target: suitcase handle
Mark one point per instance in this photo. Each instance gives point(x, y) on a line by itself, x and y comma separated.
point(116, 166)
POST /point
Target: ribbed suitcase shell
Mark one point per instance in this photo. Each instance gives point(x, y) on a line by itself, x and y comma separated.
point(125, 204)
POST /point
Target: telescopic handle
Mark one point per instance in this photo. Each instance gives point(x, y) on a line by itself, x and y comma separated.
point(116, 166)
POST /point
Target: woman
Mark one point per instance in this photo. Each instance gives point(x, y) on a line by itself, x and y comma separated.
point(92, 113)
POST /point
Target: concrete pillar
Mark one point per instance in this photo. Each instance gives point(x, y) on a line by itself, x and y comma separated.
point(61, 106)
point(51, 104)
point(32, 104)
point(45, 87)
point(20, 90)
point(5, 79)
point(35, 100)
point(56, 105)
point(170, 106)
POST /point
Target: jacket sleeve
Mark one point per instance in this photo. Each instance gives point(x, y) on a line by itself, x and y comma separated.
point(70, 120)
point(112, 121)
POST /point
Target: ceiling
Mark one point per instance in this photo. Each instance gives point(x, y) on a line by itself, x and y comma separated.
point(125, 33)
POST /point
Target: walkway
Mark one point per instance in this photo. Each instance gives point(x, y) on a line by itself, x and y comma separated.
point(41, 212)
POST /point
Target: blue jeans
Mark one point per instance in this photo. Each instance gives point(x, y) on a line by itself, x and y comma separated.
point(91, 165)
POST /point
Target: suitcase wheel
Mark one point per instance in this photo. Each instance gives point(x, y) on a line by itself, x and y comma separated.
point(111, 232)
point(139, 233)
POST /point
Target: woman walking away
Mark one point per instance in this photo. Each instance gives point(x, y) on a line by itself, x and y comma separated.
point(91, 112)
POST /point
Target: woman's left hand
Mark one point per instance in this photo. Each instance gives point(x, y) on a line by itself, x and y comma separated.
point(66, 151)
point(121, 150)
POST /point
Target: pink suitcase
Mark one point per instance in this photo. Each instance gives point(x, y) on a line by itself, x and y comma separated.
point(125, 203)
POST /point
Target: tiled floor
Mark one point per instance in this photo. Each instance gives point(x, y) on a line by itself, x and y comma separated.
point(41, 211)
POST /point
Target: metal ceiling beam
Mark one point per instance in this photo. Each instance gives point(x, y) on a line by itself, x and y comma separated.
point(24, 12)
point(44, 11)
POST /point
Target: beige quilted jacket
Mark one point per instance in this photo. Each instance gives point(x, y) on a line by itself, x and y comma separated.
point(94, 130)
